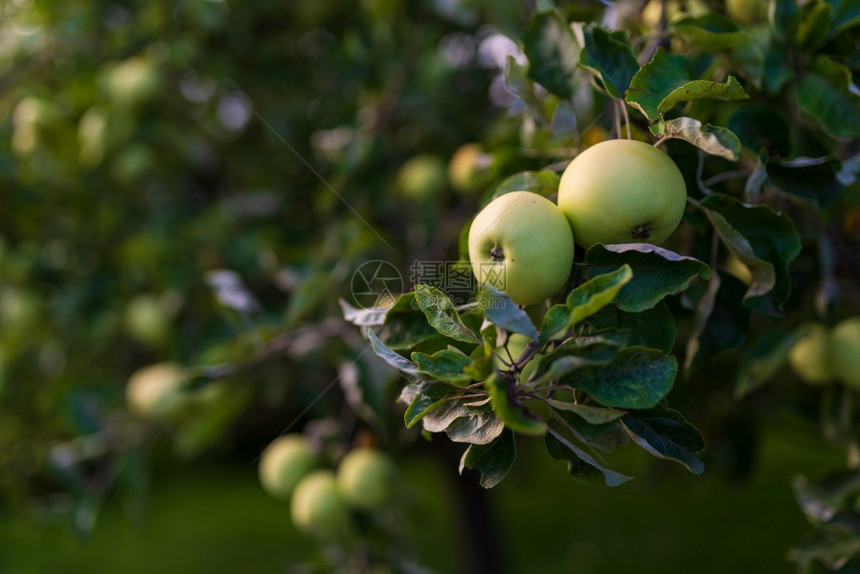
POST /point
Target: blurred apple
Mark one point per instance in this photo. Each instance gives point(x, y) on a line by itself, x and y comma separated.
point(157, 392)
point(148, 319)
point(422, 178)
point(845, 351)
point(133, 81)
point(317, 508)
point(471, 170)
point(810, 356)
point(284, 463)
point(366, 478)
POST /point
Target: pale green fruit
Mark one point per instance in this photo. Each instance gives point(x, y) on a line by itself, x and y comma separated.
point(422, 178)
point(470, 170)
point(284, 463)
point(521, 244)
point(366, 478)
point(622, 191)
point(317, 508)
point(809, 357)
point(747, 11)
point(134, 81)
point(35, 112)
point(845, 351)
point(92, 135)
point(157, 391)
point(147, 320)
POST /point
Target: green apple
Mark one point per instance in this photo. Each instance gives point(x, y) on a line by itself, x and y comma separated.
point(845, 351)
point(622, 191)
point(366, 478)
point(521, 244)
point(284, 463)
point(317, 508)
point(422, 178)
point(147, 320)
point(471, 170)
point(133, 81)
point(158, 392)
point(810, 356)
point(747, 11)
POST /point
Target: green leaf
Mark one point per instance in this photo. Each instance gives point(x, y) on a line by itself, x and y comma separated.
point(596, 293)
point(764, 240)
point(543, 183)
point(591, 415)
point(604, 436)
point(580, 464)
point(846, 14)
point(555, 324)
point(510, 410)
point(424, 398)
point(493, 461)
point(499, 309)
point(722, 322)
point(657, 272)
point(476, 428)
point(442, 315)
point(653, 328)
point(762, 126)
point(388, 355)
point(665, 433)
point(609, 56)
point(815, 25)
point(714, 33)
point(446, 365)
point(668, 79)
point(823, 91)
point(552, 51)
point(638, 378)
point(814, 179)
point(763, 358)
point(710, 139)
point(823, 498)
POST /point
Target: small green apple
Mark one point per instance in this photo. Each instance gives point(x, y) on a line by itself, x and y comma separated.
point(146, 319)
point(157, 392)
point(845, 351)
point(284, 463)
point(521, 244)
point(317, 508)
point(422, 178)
point(366, 478)
point(622, 191)
point(810, 356)
point(133, 81)
point(747, 11)
point(471, 170)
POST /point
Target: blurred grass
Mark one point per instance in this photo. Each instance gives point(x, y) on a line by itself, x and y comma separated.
point(215, 518)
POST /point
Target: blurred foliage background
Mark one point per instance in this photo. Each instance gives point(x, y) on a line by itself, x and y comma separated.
point(197, 182)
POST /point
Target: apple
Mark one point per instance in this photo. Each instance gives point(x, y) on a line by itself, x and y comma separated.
point(845, 351)
point(422, 178)
point(158, 391)
point(284, 463)
point(147, 320)
point(810, 357)
point(521, 244)
point(471, 170)
point(747, 11)
point(317, 508)
point(133, 81)
point(366, 478)
point(622, 191)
